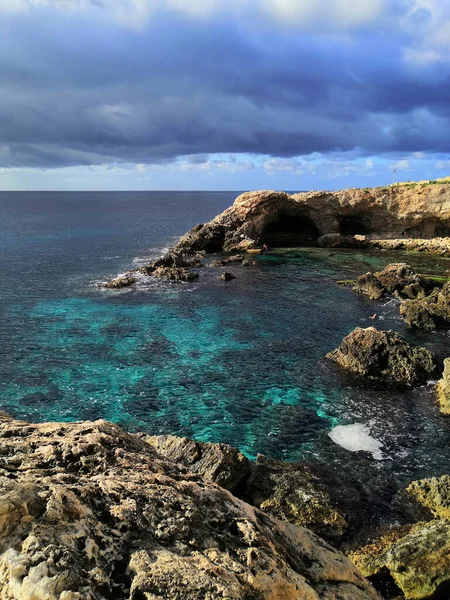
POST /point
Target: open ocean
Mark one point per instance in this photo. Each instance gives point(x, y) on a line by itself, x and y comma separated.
point(239, 362)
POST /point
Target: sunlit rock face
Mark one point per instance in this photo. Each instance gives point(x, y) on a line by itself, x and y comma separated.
point(88, 512)
point(283, 220)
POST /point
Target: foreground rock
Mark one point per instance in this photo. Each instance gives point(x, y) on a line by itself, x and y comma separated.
point(432, 494)
point(121, 282)
point(443, 389)
point(384, 356)
point(416, 559)
point(89, 512)
point(349, 217)
point(430, 313)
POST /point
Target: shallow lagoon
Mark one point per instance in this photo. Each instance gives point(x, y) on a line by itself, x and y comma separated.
point(238, 362)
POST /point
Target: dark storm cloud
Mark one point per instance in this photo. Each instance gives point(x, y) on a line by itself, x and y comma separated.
point(88, 92)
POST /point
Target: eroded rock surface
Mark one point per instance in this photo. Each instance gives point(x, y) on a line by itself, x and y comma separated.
point(443, 389)
point(430, 313)
point(88, 512)
point(384, 356)
point(121, 282)
point(398, 279)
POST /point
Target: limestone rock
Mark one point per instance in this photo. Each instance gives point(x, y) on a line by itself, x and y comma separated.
point(433, 494)
point(294, 493)
point(368, 285)
point(234, 259)
point(384, 356)
point(417, 558)
point(430, 313)
point(175, 274)
point(443, 389)
point(397, 278)
point(121, 282)
point(357, 215)
point(216, 462)
point(88, 512)
point(172, 260)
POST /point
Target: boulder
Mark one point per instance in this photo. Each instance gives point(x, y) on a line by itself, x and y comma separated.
point(396, 276)
point(443, 389)
point(368, 285)
point(294, 493)
point(384, 356)
point(90, 512)
point(121, 282)
point(226, 276)
point(430, 313)
point(215, 462)
point(415, 558)
point(175, 274)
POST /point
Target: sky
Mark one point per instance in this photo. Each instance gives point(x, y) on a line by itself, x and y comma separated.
point(223, 94)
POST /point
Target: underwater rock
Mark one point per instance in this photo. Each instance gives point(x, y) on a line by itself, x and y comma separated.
point(88, 511)
point(294, 493)
point(226, 276)
point(430, 313)
point(175, 274)
point(220, 463)
point(384, 356)
point(443, 389)
point(415, 558)
point(121, 282)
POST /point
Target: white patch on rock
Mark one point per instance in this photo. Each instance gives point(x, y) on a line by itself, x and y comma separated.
point(357, 437)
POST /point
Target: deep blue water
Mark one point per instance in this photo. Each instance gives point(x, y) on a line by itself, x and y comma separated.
point(239, 362)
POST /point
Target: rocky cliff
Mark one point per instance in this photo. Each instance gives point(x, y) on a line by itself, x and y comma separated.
point(282, 220)
point(89, 512)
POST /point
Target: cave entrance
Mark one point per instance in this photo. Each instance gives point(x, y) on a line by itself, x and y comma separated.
point(430, 228)
point(288, 231)
point(354, 225)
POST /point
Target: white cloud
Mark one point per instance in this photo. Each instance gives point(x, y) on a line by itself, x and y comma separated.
point(401, 165)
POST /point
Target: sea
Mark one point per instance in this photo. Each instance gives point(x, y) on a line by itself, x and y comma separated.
point(240, 362)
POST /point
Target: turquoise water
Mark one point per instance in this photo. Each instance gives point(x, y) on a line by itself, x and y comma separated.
point(239, 362)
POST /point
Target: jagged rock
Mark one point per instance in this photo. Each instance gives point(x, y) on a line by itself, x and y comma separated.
point(292, 492)
point(443, 389)
point(175, 274)
point(396, 276)
point(433, 494)
point(121, 282)
point(429, 313)
point(226, 276)
point(235, 259)
point(169, 260)
point(89, 512)
point(417, 558)
point(384, 356)
point(249, 263)
point(216, 462)
point(368, 285)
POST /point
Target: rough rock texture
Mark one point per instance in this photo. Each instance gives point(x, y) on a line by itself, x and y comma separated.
point(121, 282)
point(171, 260)
point(417, 558)
point(397, 278)
point(175, 274)
point(443, 389)
point(226, 276)
point(216, 462)
point(88, 512)
point(432, 494)
point(336, 240)
point(429, 313)
point(294, 493)
point(233, 259)
point(436, 245)
point(276, 218)
point(385, 356)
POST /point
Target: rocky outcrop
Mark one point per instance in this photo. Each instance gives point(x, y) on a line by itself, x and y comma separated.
point(121, 282)
point(336, 240)
point(443, 389)
point(220, 463)
point(358, 216)
point(88, 512)
point(415, 559)
point(398, 279)
point(384, 356)
point(175, 274)
point(436, 245)
point(227, 276)
point(430, 313)
point(230, 260)
point(432, 494)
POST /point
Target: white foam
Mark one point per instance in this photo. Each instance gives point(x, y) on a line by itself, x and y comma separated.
point(357, 437)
